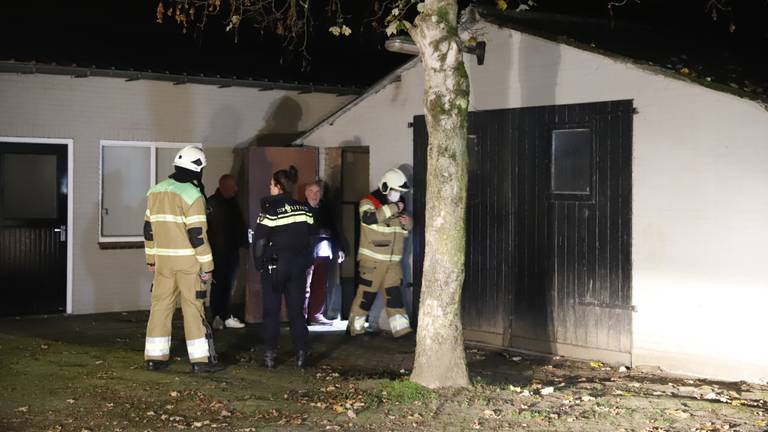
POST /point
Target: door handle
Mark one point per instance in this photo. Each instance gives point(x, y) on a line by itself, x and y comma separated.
point(62, 230)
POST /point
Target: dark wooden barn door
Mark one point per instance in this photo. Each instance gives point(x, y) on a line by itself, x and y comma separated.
point(33, 228)
point(548, 262)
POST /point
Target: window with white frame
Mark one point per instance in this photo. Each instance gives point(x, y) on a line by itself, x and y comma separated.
point(128, 169)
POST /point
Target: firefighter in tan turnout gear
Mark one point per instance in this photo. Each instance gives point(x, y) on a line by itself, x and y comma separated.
point(383, 228)
point(178, 252)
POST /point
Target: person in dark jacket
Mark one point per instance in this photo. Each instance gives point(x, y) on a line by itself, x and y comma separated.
point(283, 254)
point(327, 247)
point(227, 234)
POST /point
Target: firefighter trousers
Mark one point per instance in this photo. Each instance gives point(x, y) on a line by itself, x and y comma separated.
point(379, 276)
point(166, 289)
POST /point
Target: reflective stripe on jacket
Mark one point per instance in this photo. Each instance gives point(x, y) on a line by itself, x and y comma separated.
point(381, 234)
point(285, 225)
point(175, 228)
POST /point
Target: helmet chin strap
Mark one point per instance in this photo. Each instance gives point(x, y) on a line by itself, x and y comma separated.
point(184, 175)
point(199, 183)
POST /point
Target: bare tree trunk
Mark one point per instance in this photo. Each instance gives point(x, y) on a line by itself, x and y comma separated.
point(440, 359)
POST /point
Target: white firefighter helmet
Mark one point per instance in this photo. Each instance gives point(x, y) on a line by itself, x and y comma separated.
point(190, 157)
point(393, 179)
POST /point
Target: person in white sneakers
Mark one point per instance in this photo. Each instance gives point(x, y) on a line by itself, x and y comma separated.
point(227, 234)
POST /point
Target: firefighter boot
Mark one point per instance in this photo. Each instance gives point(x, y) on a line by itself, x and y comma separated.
point(156, 365)
point(207, 367)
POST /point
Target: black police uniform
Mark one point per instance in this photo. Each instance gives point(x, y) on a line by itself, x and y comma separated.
point(282, 251)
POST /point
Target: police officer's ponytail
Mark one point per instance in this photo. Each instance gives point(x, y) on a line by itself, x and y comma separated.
point(286, 179)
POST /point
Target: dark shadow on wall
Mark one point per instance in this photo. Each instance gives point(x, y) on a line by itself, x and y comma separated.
point(281, 124)
point(354, 142)
point(280, 129)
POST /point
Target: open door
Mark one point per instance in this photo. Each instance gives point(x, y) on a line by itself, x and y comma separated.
point(347, 174)
point(262, 163)
point(33, 228)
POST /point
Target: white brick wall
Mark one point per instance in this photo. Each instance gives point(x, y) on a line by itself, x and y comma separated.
point(88, 110)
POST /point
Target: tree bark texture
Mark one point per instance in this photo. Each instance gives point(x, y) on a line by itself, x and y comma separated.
point(440, 360)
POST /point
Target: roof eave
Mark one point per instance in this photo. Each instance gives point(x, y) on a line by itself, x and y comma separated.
point(177, 79)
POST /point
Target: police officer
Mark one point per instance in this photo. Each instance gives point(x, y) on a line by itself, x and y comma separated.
point(282, 252)
point(177, 251)
point(383, 228)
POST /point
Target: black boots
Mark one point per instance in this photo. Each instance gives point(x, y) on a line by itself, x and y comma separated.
point(156, 365)
point(269, 358)
point(207, 367)
point(159, 365)
point(270, 355)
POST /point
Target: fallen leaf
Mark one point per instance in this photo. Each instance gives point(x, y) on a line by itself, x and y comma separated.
point(22, 409)
point(596, 364)
point(678, 413)
point(490, 414)
point(70, 401)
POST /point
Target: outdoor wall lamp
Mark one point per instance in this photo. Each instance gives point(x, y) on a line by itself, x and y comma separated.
point(405, 45)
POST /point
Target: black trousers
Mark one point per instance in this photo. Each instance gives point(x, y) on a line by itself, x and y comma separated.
point(289, 280)
point(224, 272)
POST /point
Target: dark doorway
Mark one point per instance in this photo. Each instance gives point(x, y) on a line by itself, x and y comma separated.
point(548, 253)
point(347, 170)
point(33, 228)
point(355, 168)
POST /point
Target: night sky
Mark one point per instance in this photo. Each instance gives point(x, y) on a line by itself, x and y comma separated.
point(123, 34)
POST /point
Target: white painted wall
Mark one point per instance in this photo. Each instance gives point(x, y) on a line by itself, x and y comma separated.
point(88, 110)
point(700, 219)
point(380, 122)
